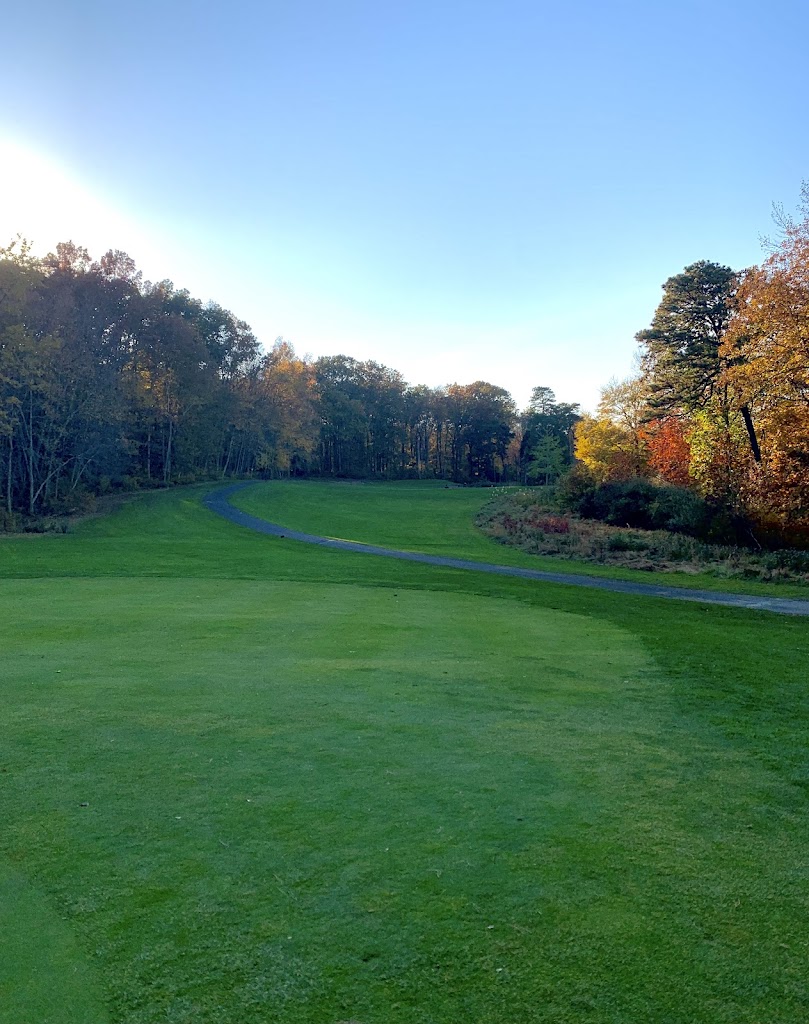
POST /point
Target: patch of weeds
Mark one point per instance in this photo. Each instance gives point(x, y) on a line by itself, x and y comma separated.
point(550, 524)
point(45, 524)
point(625, 540)
point(529, 522)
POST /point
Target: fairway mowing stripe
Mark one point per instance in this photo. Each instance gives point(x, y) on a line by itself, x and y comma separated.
point(219, 502)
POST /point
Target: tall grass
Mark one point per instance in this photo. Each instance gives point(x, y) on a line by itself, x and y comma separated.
point(531, 522)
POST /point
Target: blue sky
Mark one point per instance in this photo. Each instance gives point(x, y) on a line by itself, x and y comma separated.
point(458, 190)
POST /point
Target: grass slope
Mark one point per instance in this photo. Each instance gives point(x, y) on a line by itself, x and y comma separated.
point(321, 786)
point(425, 516)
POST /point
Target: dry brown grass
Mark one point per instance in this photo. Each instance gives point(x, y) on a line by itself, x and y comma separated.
point(528, 520)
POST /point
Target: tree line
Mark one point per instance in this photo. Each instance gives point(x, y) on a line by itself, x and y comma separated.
point(109, 381)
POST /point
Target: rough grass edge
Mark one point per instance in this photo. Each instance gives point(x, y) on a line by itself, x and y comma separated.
point(531, 521)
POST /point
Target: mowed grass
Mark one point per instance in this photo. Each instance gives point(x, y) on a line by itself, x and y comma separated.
point(412, 516)
point(430, 517)
point(247, 780)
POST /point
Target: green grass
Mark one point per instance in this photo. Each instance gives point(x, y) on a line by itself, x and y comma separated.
point(424, 516)
point(413, 516)
point(44, 975)
point(322, 786)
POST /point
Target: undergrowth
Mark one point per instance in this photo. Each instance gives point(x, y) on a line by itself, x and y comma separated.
point(529, 520)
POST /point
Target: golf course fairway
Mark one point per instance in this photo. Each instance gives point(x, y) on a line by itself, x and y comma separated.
point(247, 780)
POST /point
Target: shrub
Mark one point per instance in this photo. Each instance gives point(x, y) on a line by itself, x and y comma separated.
point(76, 502)
point(641, 504)
point(679, 510)
point(627, 542)
point(621, 503)
point(517, 519)
point(9, 521)
point(796, 561)
point(549, 524)
point(574, 487)
point(724, 526)
point(44, 524)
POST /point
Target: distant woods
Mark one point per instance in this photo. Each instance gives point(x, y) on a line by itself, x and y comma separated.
point(110, 382)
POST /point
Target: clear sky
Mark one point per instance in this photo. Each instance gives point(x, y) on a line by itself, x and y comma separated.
point(459, 190)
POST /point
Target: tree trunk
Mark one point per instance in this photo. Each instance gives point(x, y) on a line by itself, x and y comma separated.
point(751, 433)
point(167, 461)
point(31, 453)
point(227, 460)
point(10, 468)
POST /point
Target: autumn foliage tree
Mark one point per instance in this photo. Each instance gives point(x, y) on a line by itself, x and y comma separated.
point(668, 453)
point(684, 372)
point(766, 350)
point(612, 444)
point(107, 380)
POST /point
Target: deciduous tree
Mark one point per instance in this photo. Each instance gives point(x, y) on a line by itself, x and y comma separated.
point(766, 353)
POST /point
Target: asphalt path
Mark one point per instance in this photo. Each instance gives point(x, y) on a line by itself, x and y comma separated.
point(219, 501)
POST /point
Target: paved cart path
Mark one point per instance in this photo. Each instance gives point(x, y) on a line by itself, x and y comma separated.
point(219, 501)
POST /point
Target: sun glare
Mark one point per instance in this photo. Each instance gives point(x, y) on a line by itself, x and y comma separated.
point(41, 201)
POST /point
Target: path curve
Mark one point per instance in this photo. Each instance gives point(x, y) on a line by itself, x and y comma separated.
point(219, 501)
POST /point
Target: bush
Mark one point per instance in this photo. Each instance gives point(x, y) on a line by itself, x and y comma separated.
point(516, 519)
point(773, 533)
point(9, 521)
point(724, 526)
point(574, 487)
point(622, 503)
point(627, 542)
point(549, 524)
point(76, 502)
point(44, 524)
point(679, 510)
point(643, 505)
point(795, 561)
